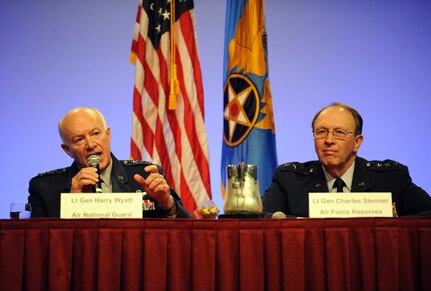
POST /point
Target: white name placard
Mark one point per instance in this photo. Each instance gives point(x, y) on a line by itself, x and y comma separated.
point(101, 205)
point(355, 204)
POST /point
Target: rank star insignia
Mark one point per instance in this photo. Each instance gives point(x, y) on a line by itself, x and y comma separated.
point(241, 108)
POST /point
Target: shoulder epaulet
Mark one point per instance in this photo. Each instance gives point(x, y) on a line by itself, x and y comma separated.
point(300, 168)
point(61, 171)
point(136, 163)
point(384, 165)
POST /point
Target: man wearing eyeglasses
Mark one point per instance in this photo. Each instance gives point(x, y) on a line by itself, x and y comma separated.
point(337, 131)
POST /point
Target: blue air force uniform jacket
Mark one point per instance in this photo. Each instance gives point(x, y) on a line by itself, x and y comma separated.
point(45, 189)
point(292, 182)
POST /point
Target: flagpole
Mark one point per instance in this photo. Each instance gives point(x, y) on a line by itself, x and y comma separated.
point(174, 85)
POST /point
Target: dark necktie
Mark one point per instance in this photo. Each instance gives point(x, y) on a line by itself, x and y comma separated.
point(339, 184)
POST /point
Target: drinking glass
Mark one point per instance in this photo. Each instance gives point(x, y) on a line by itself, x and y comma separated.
point(20, 210)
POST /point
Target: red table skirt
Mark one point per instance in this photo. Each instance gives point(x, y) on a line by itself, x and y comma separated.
point(228, 254)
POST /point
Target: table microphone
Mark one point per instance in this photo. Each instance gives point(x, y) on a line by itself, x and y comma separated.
point(94, 162)
point(278, 215)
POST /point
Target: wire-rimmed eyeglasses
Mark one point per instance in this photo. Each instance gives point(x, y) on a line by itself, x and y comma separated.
point(337, 133)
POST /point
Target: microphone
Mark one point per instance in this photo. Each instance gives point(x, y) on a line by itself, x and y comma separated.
point(94, 162)
point(278, 214)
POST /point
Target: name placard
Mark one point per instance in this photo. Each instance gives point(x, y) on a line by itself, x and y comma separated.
point(355, 204)
point(101, 205)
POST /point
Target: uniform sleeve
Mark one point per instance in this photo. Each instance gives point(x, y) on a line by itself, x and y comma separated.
point(37, 208)
point(274, 198)
point(414, 201)
point(181, 211)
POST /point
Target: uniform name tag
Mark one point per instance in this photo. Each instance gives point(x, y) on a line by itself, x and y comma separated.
point(101, 205)
point(355, 204)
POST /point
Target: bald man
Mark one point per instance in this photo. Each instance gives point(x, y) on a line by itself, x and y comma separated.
point(84, 133)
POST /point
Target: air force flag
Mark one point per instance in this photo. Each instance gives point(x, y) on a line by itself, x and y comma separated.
point(248, 119)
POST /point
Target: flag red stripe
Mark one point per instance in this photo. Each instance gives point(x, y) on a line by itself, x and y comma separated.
point(149, 136)
point(188, 200)
point(173, 122)
point(191, 132)
point(163, 153)
point(153, 92)
point(189, 37)
point(190, 42)
point(163, 67)
point(135, 152)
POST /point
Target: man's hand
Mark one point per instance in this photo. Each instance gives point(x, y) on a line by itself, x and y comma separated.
point(156, 186)
point(84, 181)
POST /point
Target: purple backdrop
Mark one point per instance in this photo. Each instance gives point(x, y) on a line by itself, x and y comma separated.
point(375, 56)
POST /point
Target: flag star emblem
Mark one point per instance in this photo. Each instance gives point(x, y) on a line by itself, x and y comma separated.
point(159, 13)
point(234, 111)
point(166, 15)
point(241, 108)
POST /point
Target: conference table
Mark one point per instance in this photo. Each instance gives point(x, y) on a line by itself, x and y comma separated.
point(223, 254)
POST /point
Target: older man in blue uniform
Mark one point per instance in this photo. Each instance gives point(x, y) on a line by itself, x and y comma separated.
point(84, 134)
point(337, 131)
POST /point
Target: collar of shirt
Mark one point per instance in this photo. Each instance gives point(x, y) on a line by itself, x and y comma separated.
point(106, 176)
point(347, 178)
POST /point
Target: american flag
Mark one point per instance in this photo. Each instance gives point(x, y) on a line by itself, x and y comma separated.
point(174, 138)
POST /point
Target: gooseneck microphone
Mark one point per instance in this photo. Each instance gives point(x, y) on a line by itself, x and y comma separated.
point(94, 162)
